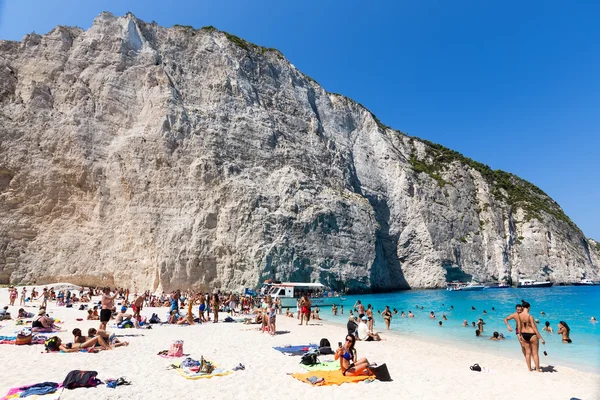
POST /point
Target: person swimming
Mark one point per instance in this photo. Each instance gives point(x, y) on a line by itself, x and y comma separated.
point(547, 327)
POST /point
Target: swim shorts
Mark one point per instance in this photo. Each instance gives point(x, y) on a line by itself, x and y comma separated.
point(105, 315)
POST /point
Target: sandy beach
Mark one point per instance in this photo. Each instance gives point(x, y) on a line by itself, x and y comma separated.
point(420, 370)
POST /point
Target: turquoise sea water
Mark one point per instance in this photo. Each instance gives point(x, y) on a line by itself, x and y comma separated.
point(572, 304)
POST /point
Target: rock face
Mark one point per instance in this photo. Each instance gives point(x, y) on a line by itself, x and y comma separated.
point(147, 157)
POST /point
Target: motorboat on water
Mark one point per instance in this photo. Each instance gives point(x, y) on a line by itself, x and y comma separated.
point(586, 282)
point(464, 286)
point(530, 283)
point(498, 286)
point(290, 292)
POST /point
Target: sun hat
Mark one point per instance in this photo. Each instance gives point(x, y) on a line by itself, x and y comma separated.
point(364, 318)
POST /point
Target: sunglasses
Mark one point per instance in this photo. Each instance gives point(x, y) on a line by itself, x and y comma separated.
point(349, 340)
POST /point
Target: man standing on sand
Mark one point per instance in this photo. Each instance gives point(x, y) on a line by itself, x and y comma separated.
point(137, 306)
point(108, 304)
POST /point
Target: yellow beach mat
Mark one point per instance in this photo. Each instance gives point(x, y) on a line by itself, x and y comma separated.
point(216, 372)
point(328, 377)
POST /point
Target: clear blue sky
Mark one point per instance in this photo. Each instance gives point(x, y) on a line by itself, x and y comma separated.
point(513, 84)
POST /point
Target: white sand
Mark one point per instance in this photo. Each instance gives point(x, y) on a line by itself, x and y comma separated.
point(420, 370)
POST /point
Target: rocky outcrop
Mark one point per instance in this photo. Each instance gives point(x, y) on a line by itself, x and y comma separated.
point(150, 157)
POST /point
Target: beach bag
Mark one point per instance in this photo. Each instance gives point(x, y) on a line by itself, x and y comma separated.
point(475, 367)
point(176, 349)
point(325, 347)
point(381, 373)
point(154, 319)
point(77, 379)
point(126, 324)
point(310, 358)
point(23, 338)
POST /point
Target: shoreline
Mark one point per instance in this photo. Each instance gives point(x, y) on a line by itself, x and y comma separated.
point(426, 339)
point(419, 369)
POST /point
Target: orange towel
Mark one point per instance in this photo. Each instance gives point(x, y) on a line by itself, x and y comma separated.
point(330, 377)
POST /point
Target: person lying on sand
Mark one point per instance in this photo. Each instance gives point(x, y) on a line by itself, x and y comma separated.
point(4, 314)
point(24, 314)
point(347, 355)
point(55, 344)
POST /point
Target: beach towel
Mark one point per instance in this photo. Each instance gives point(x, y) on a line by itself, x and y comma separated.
point(323, 366)
point(189, 374)
point(44, 390)
point(297, 350)
point(327, 378)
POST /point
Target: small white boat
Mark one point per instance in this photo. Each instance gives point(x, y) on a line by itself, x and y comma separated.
point(464, 287)
point(290, 292)
point(585, 282)
point(530, 283)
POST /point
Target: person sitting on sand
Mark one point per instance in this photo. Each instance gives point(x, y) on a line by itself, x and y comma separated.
point(289, 313)
point(189, 317)
point(55, 344)
point(108, 338)
point(547, 327)
point(496, 336)
point(352, 326)
point(363, 332)
point(348, 360)
point(78, 338)
point(565, 331)
point(122, 316)
point(91, 316)
point(42, 323)
point(4, 314)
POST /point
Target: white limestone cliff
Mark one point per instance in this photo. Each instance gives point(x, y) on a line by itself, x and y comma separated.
point(146, 157)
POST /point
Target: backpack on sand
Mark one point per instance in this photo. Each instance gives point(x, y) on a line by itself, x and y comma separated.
point(310, 358)
point(77, 378)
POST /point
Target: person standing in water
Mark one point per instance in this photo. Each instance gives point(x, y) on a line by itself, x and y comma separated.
point(565, 331)
point(530, 337)
point(387, 317)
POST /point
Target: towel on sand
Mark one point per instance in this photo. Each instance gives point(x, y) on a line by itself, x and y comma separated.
point(323, 366)
point(326, 378)
point(297, 350)
point(187, 374)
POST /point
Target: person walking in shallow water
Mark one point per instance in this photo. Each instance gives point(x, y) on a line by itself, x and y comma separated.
point(387, 317)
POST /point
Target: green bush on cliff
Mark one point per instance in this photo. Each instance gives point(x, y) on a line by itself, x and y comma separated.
point(504, 186)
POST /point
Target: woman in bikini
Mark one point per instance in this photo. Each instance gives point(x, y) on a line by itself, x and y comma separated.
point(564, 330)
point(347, 356)
point(56, 344)
point(529, 337)
point(387, 317)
